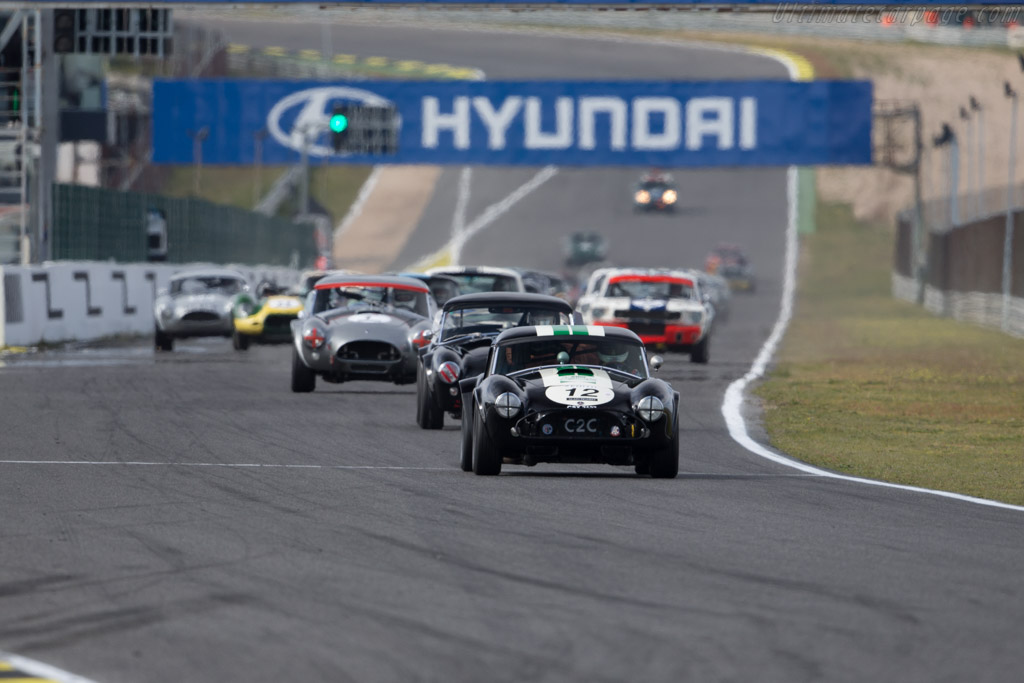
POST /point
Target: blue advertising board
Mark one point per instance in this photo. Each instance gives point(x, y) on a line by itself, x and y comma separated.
point(581, 123)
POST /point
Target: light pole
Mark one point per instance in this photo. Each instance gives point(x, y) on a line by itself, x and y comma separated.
point(1008, 234)
point(257, 184)
point(979, 163)
point(197, 155)
point(966, 118)
point(948, 137)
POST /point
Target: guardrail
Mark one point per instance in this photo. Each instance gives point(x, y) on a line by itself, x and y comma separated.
point(82, 301)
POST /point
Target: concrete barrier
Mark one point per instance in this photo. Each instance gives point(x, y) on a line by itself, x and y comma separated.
point(82, 301)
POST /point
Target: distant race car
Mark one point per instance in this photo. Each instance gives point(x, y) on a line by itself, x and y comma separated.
point(569, 394)
point(360, 327)
point(540, 282)
point(197, 303)
point(458, 347)
point(716, 294)
point(582, 248)
point(728, 262)
point(441, 287)
point(472, 279)
point(663, 307)
point(655, 192)
point(265, 316)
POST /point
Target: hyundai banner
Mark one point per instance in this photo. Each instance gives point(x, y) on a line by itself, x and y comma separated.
point(634, 123)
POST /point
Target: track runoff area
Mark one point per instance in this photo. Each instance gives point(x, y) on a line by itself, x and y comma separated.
point(385, 542)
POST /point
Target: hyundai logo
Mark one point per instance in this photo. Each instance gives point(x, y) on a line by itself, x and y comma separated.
point(313, 107)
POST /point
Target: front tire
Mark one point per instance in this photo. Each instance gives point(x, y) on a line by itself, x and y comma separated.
point(466, 450)
point(163, 341)
point(701, 353)
point(240, 341)
point(664, 463)
point(428, 414)
point(486, 458)
point(303, 379)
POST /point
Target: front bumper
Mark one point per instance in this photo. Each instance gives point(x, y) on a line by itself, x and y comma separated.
point(209, 325)
point(577, 436)
point(274, 327)
point(661, 333)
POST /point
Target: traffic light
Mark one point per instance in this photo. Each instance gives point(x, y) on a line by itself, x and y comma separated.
point(64, 30)
point(339, 125)
point(10, 80)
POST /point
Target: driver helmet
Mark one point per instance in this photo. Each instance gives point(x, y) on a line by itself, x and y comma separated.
point(613, 353)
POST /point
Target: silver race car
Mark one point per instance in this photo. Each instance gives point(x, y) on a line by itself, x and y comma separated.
point(361, 327)
point(198, 303)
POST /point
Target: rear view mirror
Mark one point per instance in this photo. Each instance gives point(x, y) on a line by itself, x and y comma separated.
point(655, 363)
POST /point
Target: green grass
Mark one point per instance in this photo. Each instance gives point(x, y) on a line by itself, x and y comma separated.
point(875, 387)
point(333, 187)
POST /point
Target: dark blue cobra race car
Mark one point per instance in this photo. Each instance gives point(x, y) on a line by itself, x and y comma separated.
point(569, 394)
point(458, 347)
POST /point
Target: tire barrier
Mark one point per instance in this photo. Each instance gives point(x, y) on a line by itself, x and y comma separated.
point(83, 301)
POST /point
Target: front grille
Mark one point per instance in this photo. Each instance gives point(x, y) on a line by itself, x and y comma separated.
point(646, 327)
point(200, 317)
point(277, 324)
point(646, 315)
point(369, 350)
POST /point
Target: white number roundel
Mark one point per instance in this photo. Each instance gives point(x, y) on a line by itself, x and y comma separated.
point(579, 394)
point(369, 318)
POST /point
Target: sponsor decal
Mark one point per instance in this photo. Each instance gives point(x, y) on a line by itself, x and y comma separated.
point(299, 120)
point(648, 304)
point(547, 429)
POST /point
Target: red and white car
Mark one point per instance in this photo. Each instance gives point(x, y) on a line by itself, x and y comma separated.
point(663, 307)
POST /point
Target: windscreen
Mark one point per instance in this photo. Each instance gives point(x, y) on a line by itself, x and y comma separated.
point(615, 354)
point(650, 289)
point(494, 319)
point(471, 284)
point(206, 285)
point(353, 299)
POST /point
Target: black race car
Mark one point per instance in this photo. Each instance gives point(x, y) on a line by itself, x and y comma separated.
point(569, 394)
point(655, 192)
point(458, 346)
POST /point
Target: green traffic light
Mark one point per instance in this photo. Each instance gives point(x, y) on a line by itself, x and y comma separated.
point(339, 122)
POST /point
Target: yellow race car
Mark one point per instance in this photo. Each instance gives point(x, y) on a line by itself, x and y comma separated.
point(265, 318)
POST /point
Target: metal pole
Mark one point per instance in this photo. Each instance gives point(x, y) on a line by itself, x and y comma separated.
point(919, 257)
point(968, 142)
point(24, 248)
point(1008, 236)
point(979, 167)
point(954, 181)
point(304, 186)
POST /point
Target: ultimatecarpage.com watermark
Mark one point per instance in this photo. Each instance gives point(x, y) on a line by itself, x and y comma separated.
point(808, 13)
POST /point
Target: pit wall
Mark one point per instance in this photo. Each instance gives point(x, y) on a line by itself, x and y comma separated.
point(86, 300)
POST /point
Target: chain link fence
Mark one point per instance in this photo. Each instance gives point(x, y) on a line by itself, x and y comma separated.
point(91, 224)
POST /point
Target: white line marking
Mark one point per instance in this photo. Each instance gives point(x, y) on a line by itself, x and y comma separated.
point(461, 205)
point(40, 670)
point(498, 209)
point(732, 404)
point(235, 465)
point(357, 206)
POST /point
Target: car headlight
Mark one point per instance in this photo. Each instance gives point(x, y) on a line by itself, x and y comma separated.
point(244, 309)
point(508, 404)
point(650, 409)
point(643, 196)
point(669, 197)
point(692, 317)
point(599, 313)
point(166, 312)
point(449, 373)
point(314, 338)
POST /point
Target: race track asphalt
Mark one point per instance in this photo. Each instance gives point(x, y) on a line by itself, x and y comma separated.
point(186, 516)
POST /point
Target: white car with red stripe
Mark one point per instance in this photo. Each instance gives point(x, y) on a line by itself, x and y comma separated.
point(663, 307)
